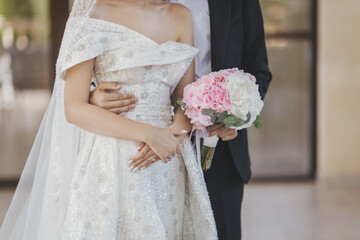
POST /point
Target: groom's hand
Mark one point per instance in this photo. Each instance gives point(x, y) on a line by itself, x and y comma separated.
point(225, 133)
point(104, 96)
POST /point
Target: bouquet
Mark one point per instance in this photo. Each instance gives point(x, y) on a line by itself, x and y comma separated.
point(230, 97)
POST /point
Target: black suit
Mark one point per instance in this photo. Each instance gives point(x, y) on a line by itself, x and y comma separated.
point(237, 40)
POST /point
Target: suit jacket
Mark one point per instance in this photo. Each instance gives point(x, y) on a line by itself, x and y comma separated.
point(238, 40)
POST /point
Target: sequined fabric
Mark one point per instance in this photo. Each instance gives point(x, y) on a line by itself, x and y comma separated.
point(106, 199)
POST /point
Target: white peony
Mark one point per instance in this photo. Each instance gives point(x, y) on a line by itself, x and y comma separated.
point(245, 97)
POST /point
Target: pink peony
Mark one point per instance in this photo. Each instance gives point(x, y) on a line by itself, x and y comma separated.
point(210, 92)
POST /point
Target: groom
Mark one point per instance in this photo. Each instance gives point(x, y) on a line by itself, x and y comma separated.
point(229, 33)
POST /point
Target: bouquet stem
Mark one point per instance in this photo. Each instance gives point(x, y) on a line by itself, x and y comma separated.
point(207, 152)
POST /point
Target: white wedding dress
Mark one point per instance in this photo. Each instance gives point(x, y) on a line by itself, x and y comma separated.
point(77, 185)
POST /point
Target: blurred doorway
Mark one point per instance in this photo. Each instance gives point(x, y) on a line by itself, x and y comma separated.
point(25, 73)
point(30, 32)
point(285, 148)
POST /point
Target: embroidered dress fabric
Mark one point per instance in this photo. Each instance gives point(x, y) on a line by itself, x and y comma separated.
point(76, 184)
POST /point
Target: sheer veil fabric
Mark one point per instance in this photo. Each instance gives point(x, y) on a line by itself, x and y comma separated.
point(38, 209)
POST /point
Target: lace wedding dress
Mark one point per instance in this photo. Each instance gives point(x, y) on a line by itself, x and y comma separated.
point(77, 185)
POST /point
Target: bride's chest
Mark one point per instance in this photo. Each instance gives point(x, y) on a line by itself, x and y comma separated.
point(136, 65)
point(163, 75)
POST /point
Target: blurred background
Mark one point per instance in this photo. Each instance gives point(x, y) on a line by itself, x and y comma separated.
point(305, 160)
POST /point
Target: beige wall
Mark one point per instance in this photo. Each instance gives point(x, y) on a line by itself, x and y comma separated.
point(338, 89)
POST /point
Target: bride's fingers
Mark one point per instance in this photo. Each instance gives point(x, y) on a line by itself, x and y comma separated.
point(142, 145)
point(178, 132)
point(164, 159)
point(145, 150)
point(149, 163)
point(137, 163)
point(150, 160)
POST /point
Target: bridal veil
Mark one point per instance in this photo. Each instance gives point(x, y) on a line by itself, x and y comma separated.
point(44, 184)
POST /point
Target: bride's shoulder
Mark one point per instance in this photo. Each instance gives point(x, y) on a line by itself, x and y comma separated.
point(180, 19)
point(178, 11)
point(100, 11)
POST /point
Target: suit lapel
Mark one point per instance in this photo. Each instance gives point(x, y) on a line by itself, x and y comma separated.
point(220, 15)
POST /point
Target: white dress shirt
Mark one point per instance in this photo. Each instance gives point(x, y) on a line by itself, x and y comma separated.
point(202, 37)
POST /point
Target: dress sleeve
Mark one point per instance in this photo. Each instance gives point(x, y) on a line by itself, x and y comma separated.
point(84, 41)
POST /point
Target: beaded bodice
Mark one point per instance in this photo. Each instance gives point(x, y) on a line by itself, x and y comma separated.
point(150, 81)
point(143, 67)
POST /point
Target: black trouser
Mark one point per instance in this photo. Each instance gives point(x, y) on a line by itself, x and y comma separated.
point(226, 189)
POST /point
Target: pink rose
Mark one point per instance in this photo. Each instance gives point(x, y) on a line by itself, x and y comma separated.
point(209, 92)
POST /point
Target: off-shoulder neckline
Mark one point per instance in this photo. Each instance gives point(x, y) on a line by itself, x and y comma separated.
point(136, 32)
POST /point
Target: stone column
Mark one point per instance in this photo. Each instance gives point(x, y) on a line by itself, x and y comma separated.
point(338, 90)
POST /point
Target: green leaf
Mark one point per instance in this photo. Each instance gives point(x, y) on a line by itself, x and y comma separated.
point(239, 123)
point(208, 112)
point(230, 120)
point(180, 103)
point(213, 118)
point(257, 122)
point(221, 117)
point(248, 117)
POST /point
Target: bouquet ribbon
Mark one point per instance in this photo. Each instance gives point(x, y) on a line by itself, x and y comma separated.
point(200, 133)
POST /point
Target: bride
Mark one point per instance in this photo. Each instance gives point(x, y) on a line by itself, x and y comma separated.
point(80, 180)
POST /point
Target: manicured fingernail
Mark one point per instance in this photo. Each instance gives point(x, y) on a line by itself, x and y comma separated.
point(131, 168)
point(184, 131)
point(142, 168)
point(135, 169)
point(131, 161)
point(136, 99)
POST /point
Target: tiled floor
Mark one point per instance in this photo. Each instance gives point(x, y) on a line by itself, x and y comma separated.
point(301, 211)
point(289, 211)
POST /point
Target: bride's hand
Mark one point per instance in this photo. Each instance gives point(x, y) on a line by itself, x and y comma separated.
point(148, 155)
point(144, 159)
point(179, 129)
